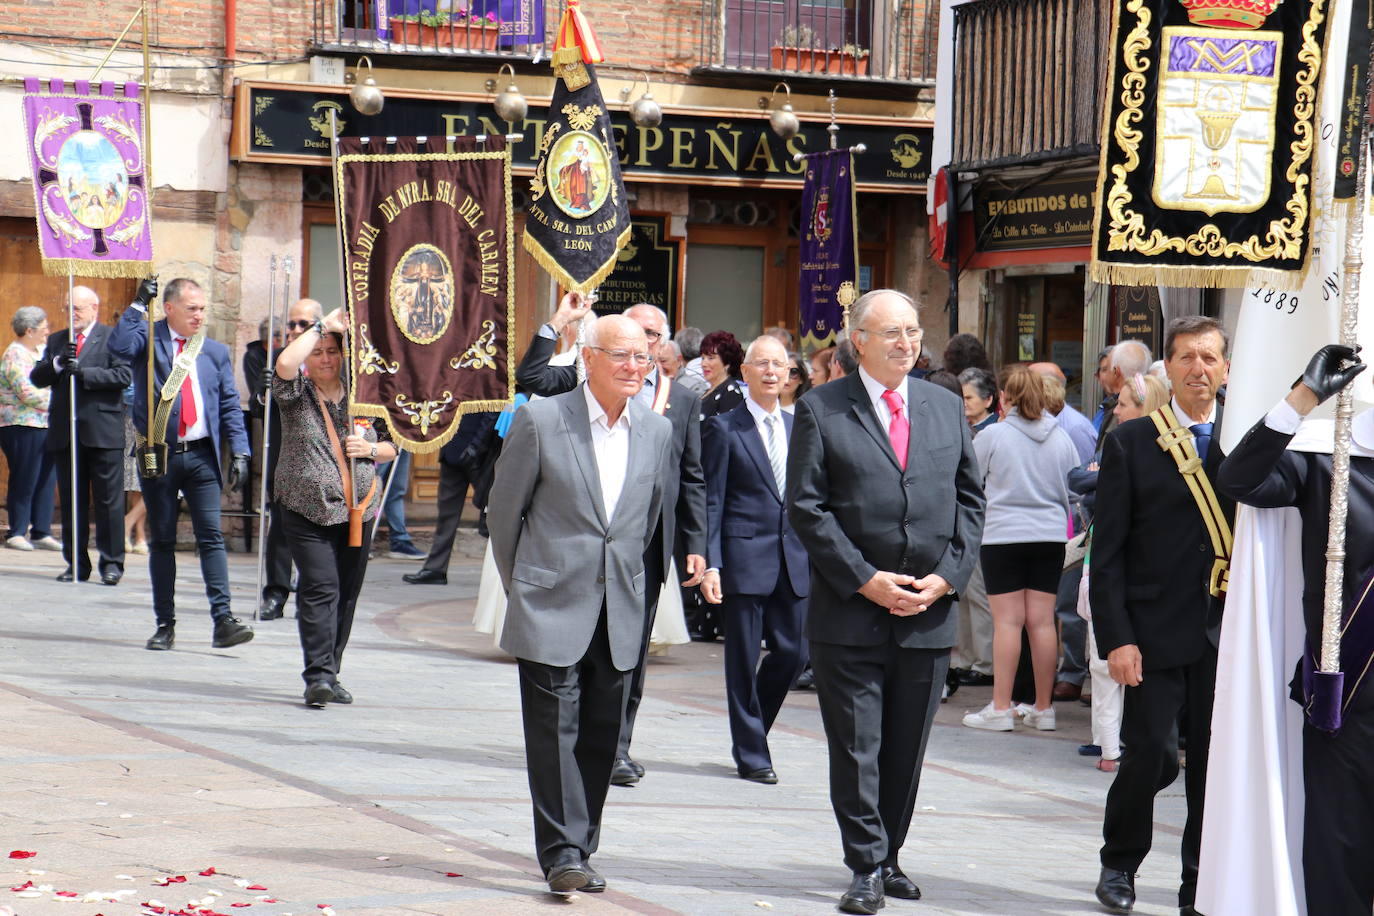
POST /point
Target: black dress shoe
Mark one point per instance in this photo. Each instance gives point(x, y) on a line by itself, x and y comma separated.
point(806, 680)
point(426, 577)
point(974, 679)
point(635, 765)
point(897, 884)
point(164, 638)
point(595, 883)
point(66, 575)
point(111, 577)
point(318, 693)
point(230, 631)
point(272, 607)
point(865, 894)
point(622, 774)
point(1116, 890)
point(567, 874)
point(1188, 910)
point(764, 775)
point(341, 694)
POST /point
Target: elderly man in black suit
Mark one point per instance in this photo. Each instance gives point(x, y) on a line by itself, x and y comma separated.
point(683, 525)
point(758, 567)
point(82, 353)
point(1161, 542)
point(884, 493)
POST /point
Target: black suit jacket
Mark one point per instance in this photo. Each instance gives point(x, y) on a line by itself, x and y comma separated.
point(100, 382)
point(857, 512)
point(749, 538)
point(1151, 556)
point(684, 492)
point(1261, 472)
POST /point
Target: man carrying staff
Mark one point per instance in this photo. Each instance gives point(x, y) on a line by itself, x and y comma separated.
point(196, 407)
point(573, 510)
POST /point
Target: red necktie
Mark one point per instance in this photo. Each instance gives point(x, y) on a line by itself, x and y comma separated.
point(899, 428)
point(80, 342)
point(188, 399)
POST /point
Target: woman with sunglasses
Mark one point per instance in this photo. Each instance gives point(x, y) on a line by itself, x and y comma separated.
point(797, 383)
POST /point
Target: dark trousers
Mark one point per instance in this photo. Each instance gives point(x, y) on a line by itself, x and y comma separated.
point(1338, 828)
point(195, 473)
point(877, 704)
point(1073, 630)
point(453, 489)
point(754, 692)
point(99, 482)
point(654, 574)
point(572, 719)
point(29, 500)
point(331, 577)
point(1149, 764)
point(277, 558)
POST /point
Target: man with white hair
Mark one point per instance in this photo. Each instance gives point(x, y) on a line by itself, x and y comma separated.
point(1129, 359)
point(683, 525)
point(669, 359)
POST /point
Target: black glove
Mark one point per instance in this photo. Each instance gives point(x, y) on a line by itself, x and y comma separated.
point(70, 363)
point(238, 471)
point(147, 292)
point(1324, 373)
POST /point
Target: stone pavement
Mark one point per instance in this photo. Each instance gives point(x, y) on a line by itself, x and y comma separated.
point(124, 770)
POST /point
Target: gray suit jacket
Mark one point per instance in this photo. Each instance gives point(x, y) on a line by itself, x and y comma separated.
point(559, 557)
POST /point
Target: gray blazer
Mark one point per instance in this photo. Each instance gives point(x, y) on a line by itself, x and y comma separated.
point(559, 557)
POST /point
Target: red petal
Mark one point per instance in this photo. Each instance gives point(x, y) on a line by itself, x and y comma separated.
point(208, 872)
point(67, 893)
point(240, 904)
point(321, 906)
point(23, 887)
point(452, 874)
point(269, 900)
point(255, 887)
point(22, 854)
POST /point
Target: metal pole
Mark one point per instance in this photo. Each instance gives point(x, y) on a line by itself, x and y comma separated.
point(73, 540)
point(151, 342)
point(1333, 600)
point(263, 517)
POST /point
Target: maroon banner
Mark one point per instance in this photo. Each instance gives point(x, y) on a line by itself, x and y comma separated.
point(829, 247)
point(429, 265)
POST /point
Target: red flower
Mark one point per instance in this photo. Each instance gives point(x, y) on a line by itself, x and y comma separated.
point(22, 854)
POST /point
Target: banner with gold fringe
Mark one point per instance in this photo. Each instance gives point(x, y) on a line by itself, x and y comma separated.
point(1208, 143)
point(89, 178)
point(429, 265)
point(579, 217)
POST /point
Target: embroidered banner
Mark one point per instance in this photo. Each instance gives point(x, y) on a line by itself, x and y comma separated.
point(89, 178)
point(1208, 145)
point(522, 23)
point(829, 247)
point(429, 260)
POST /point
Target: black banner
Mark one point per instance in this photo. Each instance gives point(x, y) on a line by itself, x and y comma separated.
point(281, 123)
point(1055, 213)
point(646, 270)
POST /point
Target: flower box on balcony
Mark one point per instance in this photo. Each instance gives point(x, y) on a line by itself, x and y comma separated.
point(461, 33)
point(802, 60)
point(845, 62)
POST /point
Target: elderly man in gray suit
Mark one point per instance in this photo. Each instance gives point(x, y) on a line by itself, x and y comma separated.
point(884, 493)
point(575, 503)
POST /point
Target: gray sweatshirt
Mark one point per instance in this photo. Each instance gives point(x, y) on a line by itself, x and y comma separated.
point(1024, 468)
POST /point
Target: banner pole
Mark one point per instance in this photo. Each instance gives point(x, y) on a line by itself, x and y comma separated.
point(73, 540)
point(151, 342)
point(263, 518)
point(349, 498)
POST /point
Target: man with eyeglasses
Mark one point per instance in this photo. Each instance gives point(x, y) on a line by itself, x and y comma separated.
point(758, 567)
point(574, 509)
point(683, 525)
point(884, 492)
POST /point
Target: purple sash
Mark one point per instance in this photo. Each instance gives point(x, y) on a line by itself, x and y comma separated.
point(1326, 695)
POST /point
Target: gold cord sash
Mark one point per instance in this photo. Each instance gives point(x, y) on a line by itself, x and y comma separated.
point(171, 388)
point(1178, 442)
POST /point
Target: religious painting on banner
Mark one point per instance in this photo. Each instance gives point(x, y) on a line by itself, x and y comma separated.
point(579, 217)
point(1209, 142)
point(829, 252)
point(429, 263)
point(89, 178)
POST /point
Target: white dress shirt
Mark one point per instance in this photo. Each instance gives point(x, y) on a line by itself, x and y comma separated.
point(611, 445)
point(201, 428)
point(649, 389)
point(875, 391)
point(1185, 420)
point(779, 429)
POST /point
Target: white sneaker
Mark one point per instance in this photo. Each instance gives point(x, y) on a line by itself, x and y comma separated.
point(990, 719)
point(1042, 720)
point(48, 543)
point(18, 542)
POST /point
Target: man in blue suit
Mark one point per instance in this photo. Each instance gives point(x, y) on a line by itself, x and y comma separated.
point(758, 567)
point(201, 409)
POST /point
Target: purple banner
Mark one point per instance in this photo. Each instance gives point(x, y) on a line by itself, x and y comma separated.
point(1231, 56)
point(89, 178)
point(522, 23)
point(829, 247)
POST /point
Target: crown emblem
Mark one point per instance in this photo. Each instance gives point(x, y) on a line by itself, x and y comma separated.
point(1230, 14)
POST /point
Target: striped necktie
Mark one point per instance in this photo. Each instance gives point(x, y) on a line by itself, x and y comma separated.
point(774, 455)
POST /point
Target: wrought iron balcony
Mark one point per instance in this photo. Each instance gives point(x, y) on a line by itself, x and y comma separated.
point(893, 40)
point(432, 27)
point(1029, 79)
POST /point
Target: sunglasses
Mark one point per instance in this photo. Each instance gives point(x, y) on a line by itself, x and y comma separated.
point(299, 325)
point(794, 372)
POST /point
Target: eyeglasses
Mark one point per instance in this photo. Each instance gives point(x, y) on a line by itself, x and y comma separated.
point(763, 365)
point(653, 335)
point(794, 372)
point(624, 356)
point(299, 325)
point(891, 335)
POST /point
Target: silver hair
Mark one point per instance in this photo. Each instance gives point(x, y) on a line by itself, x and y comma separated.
point(689, 340)
point(1130, 357)
point(26, 319)
point(982, 381)
point(749, 350)
point(672, 346)
point(662, 316)
point(858, 312)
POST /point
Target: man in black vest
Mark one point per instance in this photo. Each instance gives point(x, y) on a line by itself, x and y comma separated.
point(82, 352)
point(1157, 588)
